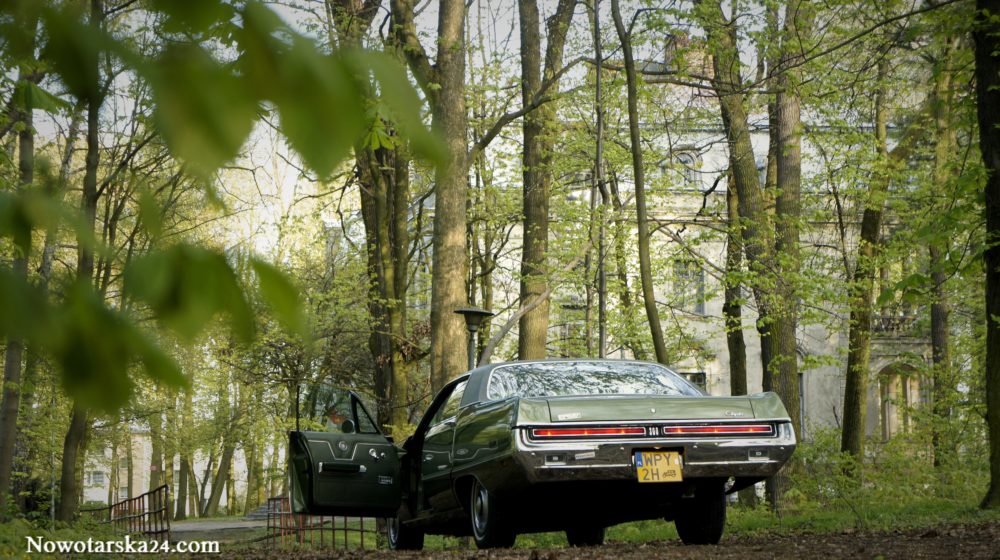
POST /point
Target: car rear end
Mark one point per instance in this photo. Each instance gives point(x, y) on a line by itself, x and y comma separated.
point(652, 439)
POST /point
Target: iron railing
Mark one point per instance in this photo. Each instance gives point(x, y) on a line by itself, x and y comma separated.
point(285, 527)
point(147, 514)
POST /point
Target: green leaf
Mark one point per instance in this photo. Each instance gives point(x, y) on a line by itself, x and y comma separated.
point(193, 15)
point(316, 95)
point(73, 49)
point(282, 296)
point(149, 213)
point(28, 94)
point(204, 111)
point(400, 99)
point(187, 287)
point(26, 312)
point(96, 348)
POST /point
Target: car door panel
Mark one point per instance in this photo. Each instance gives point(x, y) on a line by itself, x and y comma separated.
point(336, 473)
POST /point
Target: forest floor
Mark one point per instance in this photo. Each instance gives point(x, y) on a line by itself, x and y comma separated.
point(965, 541)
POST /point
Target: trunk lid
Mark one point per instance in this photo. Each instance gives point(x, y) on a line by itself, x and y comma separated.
point(624, 408)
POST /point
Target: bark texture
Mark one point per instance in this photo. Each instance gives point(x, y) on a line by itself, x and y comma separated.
point(987, 38)
point(14, 350)
point(635, 144)
point(537, 133)
point(757, 225)
point(444, 84)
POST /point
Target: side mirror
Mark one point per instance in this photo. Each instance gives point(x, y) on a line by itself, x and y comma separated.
point(348, 427)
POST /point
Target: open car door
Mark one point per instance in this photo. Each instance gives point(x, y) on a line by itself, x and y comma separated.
point(341, 464)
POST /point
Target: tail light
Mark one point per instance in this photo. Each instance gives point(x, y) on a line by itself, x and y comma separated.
point(586, 432)
point(720, 429)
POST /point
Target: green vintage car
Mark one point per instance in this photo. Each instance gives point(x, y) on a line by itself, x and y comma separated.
point(551, 445)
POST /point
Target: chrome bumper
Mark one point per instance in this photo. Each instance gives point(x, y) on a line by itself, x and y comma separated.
point(549, 461)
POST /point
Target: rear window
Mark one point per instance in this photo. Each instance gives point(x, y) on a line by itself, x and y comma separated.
point(561, 379)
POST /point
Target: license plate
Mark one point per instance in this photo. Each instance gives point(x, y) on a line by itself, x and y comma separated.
point(658, 466)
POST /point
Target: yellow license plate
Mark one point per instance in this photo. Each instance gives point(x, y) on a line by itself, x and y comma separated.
point(658, 466)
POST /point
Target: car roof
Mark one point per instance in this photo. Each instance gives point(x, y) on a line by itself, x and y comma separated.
point(475, 390)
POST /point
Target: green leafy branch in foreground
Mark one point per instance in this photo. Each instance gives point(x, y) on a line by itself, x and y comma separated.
point(204, 109)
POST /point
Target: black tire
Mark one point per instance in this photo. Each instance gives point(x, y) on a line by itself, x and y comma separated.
point(702, 519)
point(585, 535)
point(402, 537)
point(490, 529)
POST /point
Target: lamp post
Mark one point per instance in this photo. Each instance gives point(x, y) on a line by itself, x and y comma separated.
point(474, 317)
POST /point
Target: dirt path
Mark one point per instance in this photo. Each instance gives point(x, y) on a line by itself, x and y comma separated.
point(955, 541)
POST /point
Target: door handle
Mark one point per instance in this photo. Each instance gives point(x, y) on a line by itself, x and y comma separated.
point(341, 468)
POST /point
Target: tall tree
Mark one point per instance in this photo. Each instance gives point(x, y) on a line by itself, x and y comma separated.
point(757, 225)
point(383, 173)
point(635, 139)
point(861, 290)
point(73, 450)
point(443, 84)
point(987, 37)
point(538, 131)
point(944, 147)
point(13, 352)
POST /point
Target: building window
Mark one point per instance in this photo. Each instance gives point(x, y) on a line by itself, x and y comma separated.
point(697, 378)
point(687, 165)
point(689, 286)
point(94, 478)
point(123, 493)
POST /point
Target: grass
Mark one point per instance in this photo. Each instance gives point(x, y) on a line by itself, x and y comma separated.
point(801, 518)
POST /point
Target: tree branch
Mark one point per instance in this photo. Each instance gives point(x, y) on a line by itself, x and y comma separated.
point(539, 100)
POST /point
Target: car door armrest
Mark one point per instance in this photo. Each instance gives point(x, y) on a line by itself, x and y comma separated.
point(340, 468)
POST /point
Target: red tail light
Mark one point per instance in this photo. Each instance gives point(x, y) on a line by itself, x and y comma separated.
point(720, 429)
point(586, 432)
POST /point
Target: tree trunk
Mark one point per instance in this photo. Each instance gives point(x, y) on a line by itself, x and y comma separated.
point(861, 290)
point(630, 338)
point(69, 488)
point(73, 442)
point(987, 38)
point(113, 472)
point(15, 346)
point(732, 310)
point(180, 511)
point(221, 477)
point(450, 260)
point(384, 177)
point(732, 313)
point(208, 476)
point(156, 449)
point(130, 465)
point(758, 233)
point(944, 148)
point(537, 150)
point(645, 267)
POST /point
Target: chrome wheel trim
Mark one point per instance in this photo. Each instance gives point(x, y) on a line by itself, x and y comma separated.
point(480, 509)
point(393, 531)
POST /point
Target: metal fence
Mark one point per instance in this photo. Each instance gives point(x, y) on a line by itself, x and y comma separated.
point(286, 528)
point(147, 514)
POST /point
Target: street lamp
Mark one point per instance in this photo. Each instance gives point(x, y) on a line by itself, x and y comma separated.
point(474, 317)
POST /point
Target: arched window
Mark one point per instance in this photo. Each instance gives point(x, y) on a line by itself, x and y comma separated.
point(899, 393)
point(687, 165)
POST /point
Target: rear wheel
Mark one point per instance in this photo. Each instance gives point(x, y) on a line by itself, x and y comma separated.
point(402, 537)
point(585, 535)
point(702, 519)
point(489, 528)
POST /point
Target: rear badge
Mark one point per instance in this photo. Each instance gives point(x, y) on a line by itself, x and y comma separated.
point(386, 480)
point(569, 416)
point(733, 414)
